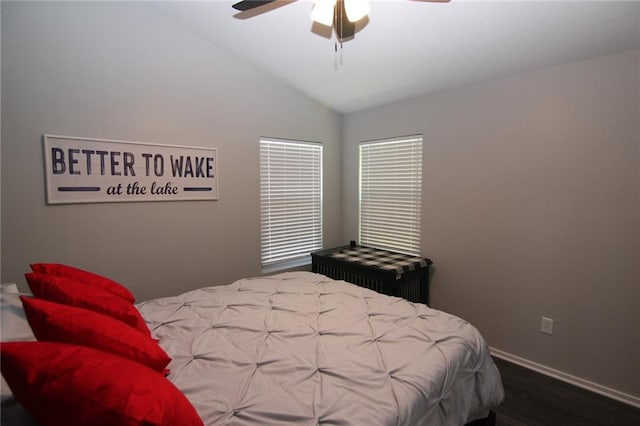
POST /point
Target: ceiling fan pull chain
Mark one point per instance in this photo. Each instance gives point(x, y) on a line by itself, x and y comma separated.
point(337, 56)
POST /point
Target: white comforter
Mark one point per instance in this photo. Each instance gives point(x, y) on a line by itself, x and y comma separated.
point(300, 348)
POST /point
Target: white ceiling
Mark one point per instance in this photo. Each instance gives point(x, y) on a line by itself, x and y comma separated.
point(412, 47)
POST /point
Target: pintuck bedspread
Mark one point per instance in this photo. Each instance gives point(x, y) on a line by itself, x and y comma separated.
point(301, 348)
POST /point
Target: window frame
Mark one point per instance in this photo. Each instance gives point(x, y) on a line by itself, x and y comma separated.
point(282, 247)
point(374, 232)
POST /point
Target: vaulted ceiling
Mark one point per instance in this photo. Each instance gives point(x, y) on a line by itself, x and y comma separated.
point(411, 47)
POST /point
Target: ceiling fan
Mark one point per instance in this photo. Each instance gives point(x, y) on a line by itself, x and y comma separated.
point(342, 15)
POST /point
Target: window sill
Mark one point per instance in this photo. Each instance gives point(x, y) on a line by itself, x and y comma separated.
point(289, 264)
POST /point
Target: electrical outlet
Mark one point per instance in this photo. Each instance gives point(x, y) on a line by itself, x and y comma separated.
point(546, 325)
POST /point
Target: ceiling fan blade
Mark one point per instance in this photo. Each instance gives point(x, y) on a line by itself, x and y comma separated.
point(250, 4)
point(345, 29)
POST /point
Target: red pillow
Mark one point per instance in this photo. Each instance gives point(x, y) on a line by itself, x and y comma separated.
point(60, 270)
point(67, 324)
point(71, 292)
point(62, 384)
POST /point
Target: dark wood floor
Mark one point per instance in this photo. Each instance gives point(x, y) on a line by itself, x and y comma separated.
point(535, 399)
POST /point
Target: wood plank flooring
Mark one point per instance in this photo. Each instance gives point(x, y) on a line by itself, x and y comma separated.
point(533, 399)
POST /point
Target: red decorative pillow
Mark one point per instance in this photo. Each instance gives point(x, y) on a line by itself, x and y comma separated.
point(68, 324)
point(62, 384)
point(71, 292)
point(66, 271)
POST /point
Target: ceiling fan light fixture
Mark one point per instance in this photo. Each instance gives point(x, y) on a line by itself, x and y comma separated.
point(322, 12)
point(356, 9)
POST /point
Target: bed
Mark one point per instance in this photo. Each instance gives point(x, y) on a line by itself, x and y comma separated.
point(300, 348)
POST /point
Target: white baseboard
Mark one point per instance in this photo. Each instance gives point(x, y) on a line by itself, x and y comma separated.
point(568, 378)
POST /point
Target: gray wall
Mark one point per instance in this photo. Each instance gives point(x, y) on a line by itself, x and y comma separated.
point(531, 207)
point(122, 71)
point(531, 184)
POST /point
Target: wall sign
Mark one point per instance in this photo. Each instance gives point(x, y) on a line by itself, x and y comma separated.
point(82, 170)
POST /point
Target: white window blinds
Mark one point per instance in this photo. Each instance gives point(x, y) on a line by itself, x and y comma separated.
point(290, 199)
point(391, 193)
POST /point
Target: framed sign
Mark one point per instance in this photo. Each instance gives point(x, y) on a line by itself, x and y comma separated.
point(83, 170)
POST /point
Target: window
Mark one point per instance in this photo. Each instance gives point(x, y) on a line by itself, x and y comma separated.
point(290, 200)
point(391, 193)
